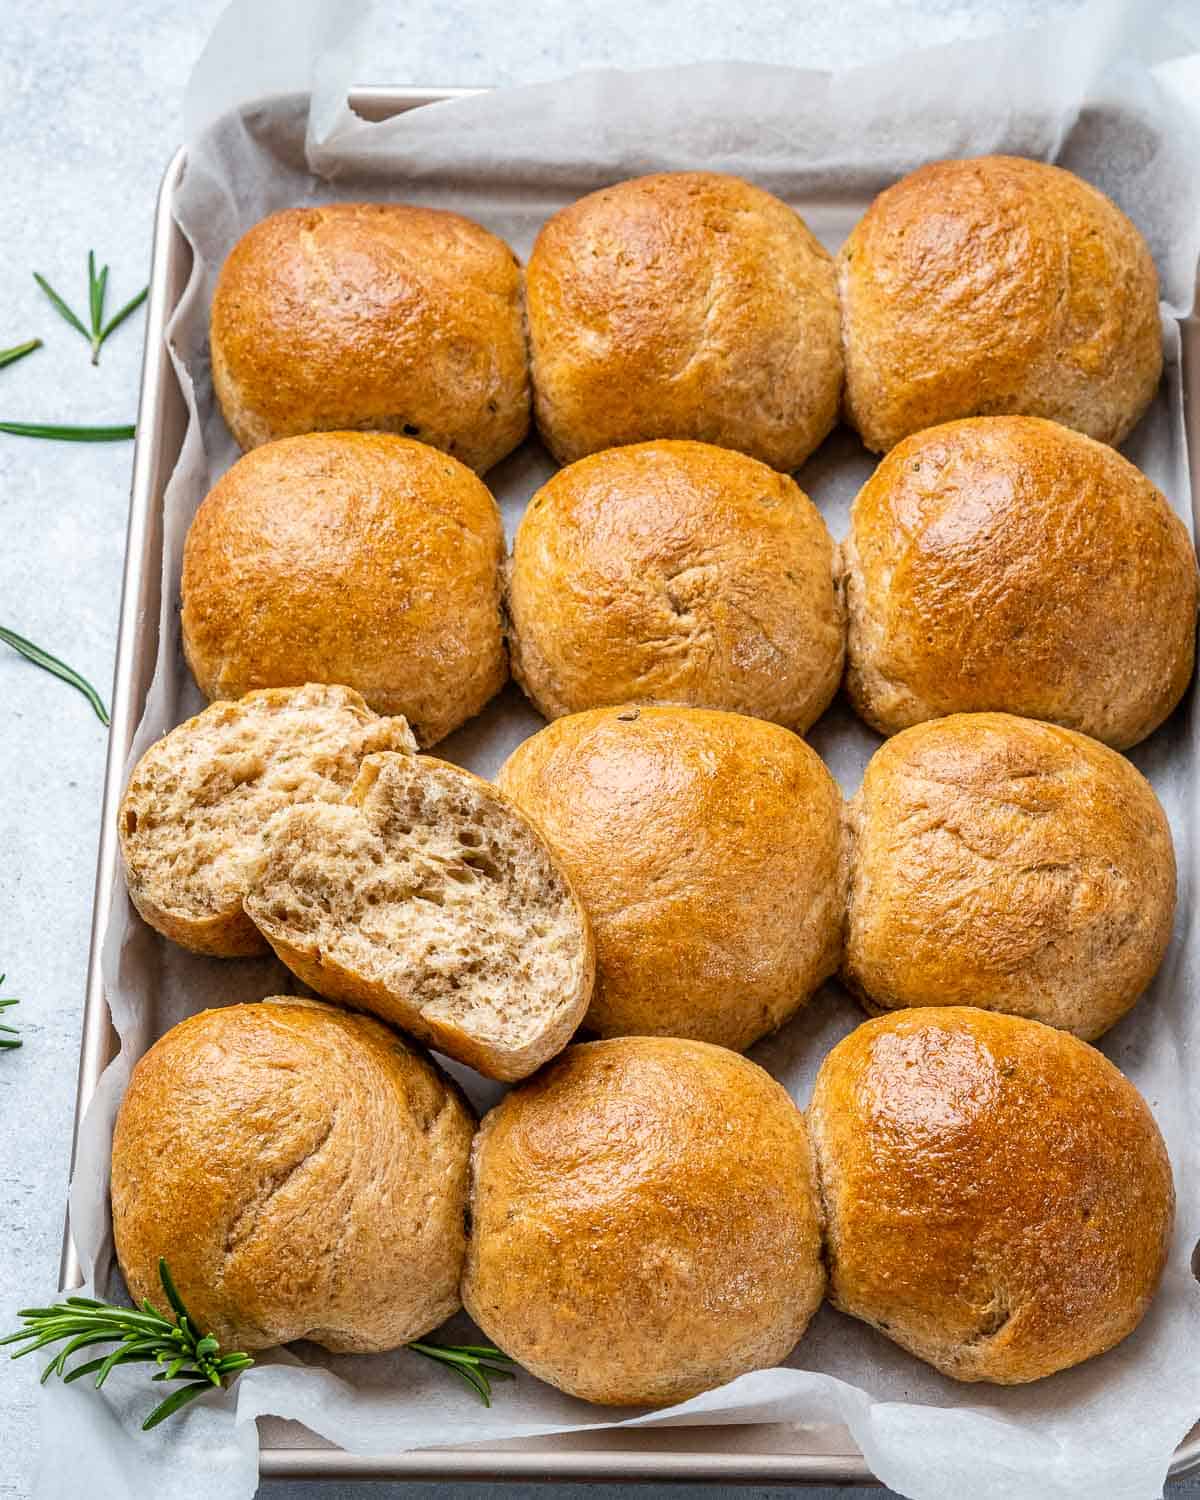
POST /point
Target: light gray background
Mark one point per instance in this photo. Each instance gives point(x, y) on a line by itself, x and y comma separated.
point(89, 113)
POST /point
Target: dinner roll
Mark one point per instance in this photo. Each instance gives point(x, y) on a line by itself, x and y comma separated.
point(677, 572)
point(430, 899)
point(707, 850)
point(1011, 865)
point(349, 557)
point(683, 305)
point(644, 1225)
point(997, 1197)
point(1009, 563)
point(302, 1170)
point(997, 285)
point(192, 819)
point(373, 315)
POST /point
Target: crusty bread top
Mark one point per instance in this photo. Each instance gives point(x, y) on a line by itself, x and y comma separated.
point(373, 315)
point(707, 848)
point(302, 1170)
point(998, 1198)
point(349, 557)
point(681, 573)
point(192, 818)
point(644, 1225)
point(1009, 563)
point(997, 285)
point(430, 899)
point(1011, 865)
point(683, 305)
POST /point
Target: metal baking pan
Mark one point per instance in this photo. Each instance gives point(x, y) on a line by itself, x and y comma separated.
point(762, 1453)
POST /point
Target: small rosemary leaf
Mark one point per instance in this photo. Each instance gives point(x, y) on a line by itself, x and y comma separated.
point(174, 1401)
point(69, 434)
point(98, 1364)
point(93, 287)
point(61, 305)
point(42, 658)
point(119, 316)
point(18, 351)
point(171, 1290)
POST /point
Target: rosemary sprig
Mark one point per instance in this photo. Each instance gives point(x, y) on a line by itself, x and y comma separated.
point(474, 1362)
point(97, 287)
point(141, 1336)
point(144, 1336)
point(60, 669)
point(69, 434)
point(18, 351)
point(10, 1038)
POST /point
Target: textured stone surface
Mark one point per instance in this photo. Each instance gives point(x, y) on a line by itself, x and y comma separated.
point(90, 107)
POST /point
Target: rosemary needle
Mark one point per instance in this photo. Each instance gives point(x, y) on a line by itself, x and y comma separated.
point(10, 1039)
point(18, 351)
point(144, 1336)
point(141, 1336)
point(59, 669)
point(97, 287)
point(69, 434)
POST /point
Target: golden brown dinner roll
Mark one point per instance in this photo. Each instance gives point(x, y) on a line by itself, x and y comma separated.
point(677, 572)
point(349, 557)
point(707, 850)
point(373, 315)
point(192, 818)
point(997, 285)
point(644, 1225)
point(1009, 563)
point(302, 1170)
point(997, 1197)
point(1011, 865)
point(683, 305)
point(430, 899)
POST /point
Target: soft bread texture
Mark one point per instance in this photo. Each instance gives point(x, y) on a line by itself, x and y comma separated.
point(381, 316)
point(302, 1170)
point(997, 285)
point(676, 572)
point(349, 557)
point(431, 900)
point(997, 1197)
point(644, 1224)
point(683, 305)
point(192, 818)
point(1008, 563)
point(707, 849)
point(1009, 865)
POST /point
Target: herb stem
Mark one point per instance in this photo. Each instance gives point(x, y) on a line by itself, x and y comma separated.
point(99, 330)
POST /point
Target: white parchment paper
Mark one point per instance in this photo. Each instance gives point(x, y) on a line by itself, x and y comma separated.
point(1079, 92)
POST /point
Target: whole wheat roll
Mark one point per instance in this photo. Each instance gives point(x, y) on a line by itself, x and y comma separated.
point(381, 316)
point(997, 285)
point(707, 850)
point(1010, 564)
point(683, 305)
point(302, 1170)
point(349, 557)
point(643, 1222)
point(675, 572)
point(997, 1197)
point(1010, 865)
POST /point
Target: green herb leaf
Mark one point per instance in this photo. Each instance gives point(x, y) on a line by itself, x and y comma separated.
point(477, 1364)
point(100, 330)
point(18, 351)
point(58, 668)
point(9, 1038)
point(69, 434)
point(139, 1336)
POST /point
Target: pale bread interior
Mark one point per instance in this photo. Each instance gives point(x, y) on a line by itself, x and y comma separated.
point(428, 887)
